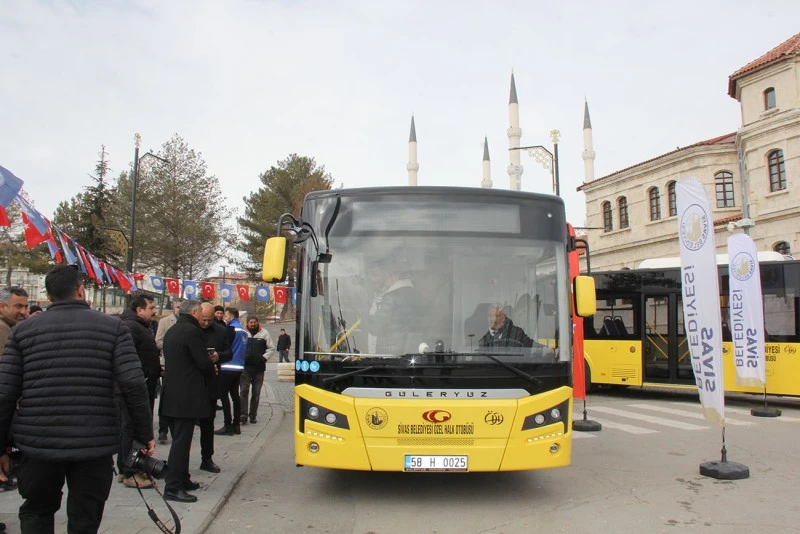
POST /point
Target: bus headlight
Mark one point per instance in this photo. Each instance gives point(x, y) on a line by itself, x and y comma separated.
point(313, 412)
point(313, 446)
point(539, 419)
point(330, 418)
point(555, 413)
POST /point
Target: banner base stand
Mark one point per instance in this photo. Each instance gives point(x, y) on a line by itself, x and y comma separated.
point(585, 425)
point(724, 470)
point(765, 412)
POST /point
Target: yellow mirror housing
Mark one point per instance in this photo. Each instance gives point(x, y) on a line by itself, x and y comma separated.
point(585, 296)
point(274, 267)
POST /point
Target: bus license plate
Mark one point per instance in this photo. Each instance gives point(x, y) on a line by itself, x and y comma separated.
point(435, 463)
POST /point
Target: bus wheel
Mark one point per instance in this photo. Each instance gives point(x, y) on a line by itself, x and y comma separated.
point(587, 378)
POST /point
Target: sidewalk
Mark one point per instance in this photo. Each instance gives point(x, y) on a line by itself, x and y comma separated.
point(126, 513)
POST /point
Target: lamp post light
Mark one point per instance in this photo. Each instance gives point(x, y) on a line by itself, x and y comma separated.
point(134, 186)
point(547, 159)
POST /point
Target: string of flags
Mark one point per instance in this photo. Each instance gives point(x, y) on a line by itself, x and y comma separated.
point(194, 289)
point(39, 229)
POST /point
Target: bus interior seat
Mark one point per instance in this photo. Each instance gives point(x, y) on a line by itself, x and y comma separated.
point(609, 329)
point(620, 326)
point(476, 323)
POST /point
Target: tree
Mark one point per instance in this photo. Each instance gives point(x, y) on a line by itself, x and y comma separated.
point(181, 216)
point(283, 189)
point(86, 215)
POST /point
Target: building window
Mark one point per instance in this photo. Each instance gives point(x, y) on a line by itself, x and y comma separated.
point(655, 204)
point(777, 171)
point(622, 203)
point(673, 203)
point(769, 98)
point(723, 182)
point(783, 247)
point(608, 222)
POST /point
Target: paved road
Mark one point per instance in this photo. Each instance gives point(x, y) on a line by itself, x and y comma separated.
point(640, 474)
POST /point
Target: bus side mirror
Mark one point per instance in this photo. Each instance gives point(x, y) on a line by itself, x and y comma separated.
point(585, 296)
point(274, 267)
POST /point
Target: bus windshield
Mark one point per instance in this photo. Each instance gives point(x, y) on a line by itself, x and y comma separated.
point(398, 286)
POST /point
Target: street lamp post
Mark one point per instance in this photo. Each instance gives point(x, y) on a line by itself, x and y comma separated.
point(134, 186)
point(547, 159)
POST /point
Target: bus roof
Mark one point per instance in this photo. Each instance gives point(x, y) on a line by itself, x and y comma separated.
point(722, 259)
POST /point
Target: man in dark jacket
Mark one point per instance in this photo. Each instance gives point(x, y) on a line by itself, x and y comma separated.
point(73, 356)
point(137, 318)
point(284, 344)
point(502, 332)
point(188, 372)
point(216, 338)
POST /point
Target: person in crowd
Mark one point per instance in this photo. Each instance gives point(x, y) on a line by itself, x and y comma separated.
point(13, 309)
point(185, 399)
point(163, 326)
point(73, 438)
point(219, 314)
point(137, 318)
point(218, 347)
point(34, 310)
point(284, 344)
point(502, 332)
point(259, 343)
point(230, 374)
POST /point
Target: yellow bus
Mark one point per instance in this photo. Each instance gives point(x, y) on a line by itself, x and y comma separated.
point(396, 369)
point(637, 337)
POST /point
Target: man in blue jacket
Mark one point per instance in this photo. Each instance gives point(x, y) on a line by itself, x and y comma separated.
point(230, 374)
point(74, 355)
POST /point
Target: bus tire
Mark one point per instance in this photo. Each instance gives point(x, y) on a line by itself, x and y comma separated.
point(587, 378)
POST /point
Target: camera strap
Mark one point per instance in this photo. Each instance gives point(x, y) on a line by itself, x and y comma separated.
point(154, 515)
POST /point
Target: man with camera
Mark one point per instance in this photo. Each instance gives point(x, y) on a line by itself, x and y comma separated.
point(185, 399)
point(72, 356)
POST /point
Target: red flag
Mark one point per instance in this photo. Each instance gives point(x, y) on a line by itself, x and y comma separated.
point(173, 286)
point(4, 217)
point(207, 290)
point(32, 235)
point(138, 276)
point(243, 291)
point(89, 268)
point(280, 294)
point(124, 283)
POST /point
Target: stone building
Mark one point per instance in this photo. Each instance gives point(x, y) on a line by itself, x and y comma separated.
point(752, 175)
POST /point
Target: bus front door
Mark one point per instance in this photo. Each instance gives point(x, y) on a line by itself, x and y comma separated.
point(665, 350)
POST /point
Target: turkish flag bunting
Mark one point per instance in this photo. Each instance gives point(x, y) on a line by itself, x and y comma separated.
point(4, 217)
point(280, 294)
point(32, 235)
point(138, 276)
point(173, 286)
point(243, 291)
point(207, 290)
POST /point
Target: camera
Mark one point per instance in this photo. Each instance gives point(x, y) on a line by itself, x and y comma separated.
point(139, 461)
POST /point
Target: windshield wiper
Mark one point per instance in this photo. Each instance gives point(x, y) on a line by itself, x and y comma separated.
point(362, 370)
point(532, 379)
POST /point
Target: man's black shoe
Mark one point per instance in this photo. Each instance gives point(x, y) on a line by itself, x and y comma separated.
point(191, 486)
point(243, 419)
point(253, 420)
point(162, 437)
point(237, 429)
point(180, 496)
point(224, 431)
point(210, 466)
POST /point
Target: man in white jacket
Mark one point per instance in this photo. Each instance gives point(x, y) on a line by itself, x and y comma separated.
point(259, 344)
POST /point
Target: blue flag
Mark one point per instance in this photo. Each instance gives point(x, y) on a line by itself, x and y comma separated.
point(69, 255)
point(190, 289)
point(294, 295)
point(262, 293)
point(157, 282)
point(10, 186)
point(79, 257)
point(98, 272)
point(226, 291)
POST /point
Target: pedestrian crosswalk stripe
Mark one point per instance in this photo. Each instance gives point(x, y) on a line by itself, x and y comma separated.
point(784, 418)
point(631, 429)
point(686, 413)
point(583, 435)
point(647, 418)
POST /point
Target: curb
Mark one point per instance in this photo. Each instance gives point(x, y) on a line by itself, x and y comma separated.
point(259, 443)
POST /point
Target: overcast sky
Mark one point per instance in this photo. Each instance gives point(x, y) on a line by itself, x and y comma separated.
point(248, 82)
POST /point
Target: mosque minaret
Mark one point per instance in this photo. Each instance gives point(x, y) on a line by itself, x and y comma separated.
point(588, 146)
point(486, 183)
point(514, 137)
point(412, 166)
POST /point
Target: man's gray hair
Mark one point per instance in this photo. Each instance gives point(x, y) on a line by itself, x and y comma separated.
point(6, 292)
point(188, 306)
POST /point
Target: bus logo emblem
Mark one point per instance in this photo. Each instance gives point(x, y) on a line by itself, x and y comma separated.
point(493, 418)
point(377, 418)
point(694, 227)
point(436, 416)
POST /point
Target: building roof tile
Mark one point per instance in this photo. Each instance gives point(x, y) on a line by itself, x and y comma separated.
point(787, 48)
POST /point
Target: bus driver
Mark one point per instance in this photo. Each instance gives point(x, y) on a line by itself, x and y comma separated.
point(502, 332)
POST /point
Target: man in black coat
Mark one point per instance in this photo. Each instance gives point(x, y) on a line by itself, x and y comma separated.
point(72, 356)
point(216, 337)
point(137, 318)
point(188, 372)
point(502, 332)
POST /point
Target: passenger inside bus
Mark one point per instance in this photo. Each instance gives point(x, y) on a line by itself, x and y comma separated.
point(393, 320)
point(502, 331)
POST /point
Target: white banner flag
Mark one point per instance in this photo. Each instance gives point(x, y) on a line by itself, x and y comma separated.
point(746, 318)
point(701, 314)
